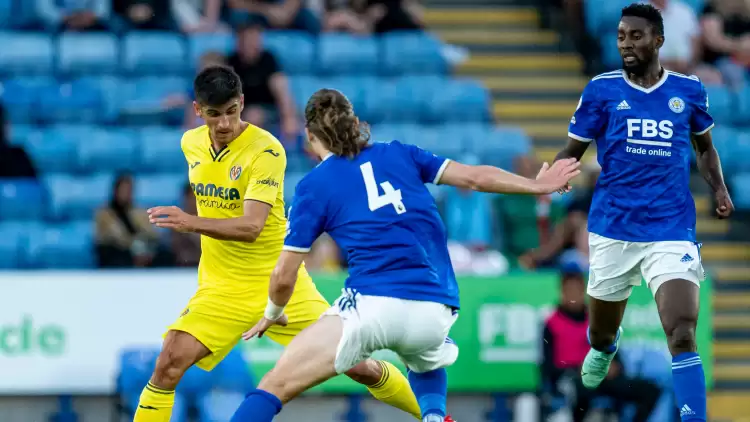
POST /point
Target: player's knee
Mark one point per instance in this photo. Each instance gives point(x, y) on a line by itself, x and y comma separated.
point(368, 373)
point(170, 367)
point(681, 337)
point(601, 339)
point(273, 382)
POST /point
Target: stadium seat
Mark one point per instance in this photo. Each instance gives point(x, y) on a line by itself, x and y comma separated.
point(411, 53)
point(154, 53)
point(6, 13)
point(295, 51)
point(302, 87)
point(77, 101)
point(54, 149)
point(21, 97)
point(290, 184)
point(21, 199)
point(501, 145)
point(355, 89)
point(721, 103)
point(26, 53)
point(199, 44)
point(159, 189)
point(79, 53)
point(77, 198)
point(435, 140)
point(739, 184)
point(67, 245)
point(143, 100)
point(108, 150)
point(603, 16)
point(460, 100)
point(408, 99)
point(160, 150)
point(12, 240)
point(340, 54)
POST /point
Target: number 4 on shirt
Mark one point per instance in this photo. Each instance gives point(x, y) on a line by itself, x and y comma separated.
point(375, 200)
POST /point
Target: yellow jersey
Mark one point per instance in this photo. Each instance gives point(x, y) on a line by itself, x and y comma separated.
point(251, 167)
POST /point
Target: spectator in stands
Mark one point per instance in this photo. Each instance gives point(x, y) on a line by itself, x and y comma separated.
point(198, 15)
point(277, 14)
point(324, 255)
point(14, 162)
point(145, 14)
point(571, 232)
point(266, 88)
point(124, 237)
point(186, 247)
point(345, 16)
point(565, 346)
point(394, 15)
point(75, 15)
point(726, 39)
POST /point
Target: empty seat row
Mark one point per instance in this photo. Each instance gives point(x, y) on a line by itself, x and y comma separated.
point(160, 53)
point(146, 100)
point(29, 245)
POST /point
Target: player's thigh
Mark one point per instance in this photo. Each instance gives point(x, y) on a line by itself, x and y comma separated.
point(614, 268)
point(180, 351)
point(426, 345)
point(305, 308)
point(307, 361)
point(676, 260)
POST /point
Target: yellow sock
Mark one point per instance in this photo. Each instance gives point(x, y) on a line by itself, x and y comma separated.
point(393, 389)
point(155, 405)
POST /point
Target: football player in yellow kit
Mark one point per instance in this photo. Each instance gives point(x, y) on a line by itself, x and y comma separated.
point(237, 173)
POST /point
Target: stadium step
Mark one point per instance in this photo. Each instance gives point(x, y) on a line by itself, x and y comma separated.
point(732, 350)
point(729, 406)
point(536, 63)
point(505, 16)
point(733, 274)
point(534, 109)
point(524, 84)
point(733, 302)
point(519, 38)
point(724, 251)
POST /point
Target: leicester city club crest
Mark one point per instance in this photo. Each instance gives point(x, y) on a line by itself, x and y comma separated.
point(676, 104)
point(235, 172)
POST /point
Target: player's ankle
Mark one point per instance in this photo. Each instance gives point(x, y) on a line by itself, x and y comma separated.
point(433, 417)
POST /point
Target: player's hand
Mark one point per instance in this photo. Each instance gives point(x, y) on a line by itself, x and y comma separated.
point(171, 218)
point(724, 205)
point(263, 325)
point(555, 178)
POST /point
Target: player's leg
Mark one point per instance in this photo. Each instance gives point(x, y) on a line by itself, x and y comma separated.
point(383, 380)
point(674, 272)
point(307, 361)
point(179, 352)
point(612, 274)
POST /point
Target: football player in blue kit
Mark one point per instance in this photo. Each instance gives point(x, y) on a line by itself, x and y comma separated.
point(401, 293)
point(646, 121)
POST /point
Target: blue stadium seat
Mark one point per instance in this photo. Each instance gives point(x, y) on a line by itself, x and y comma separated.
point(408, 99)
point(741, 152)
point(77, 198)
point(502, 145)
point(108, 150)
point(159, 189)
point(435, 140)
point(54, 149)
point(143, 100)
point(388, 132)
point(79, 53)
point(68, 245)
point(340, 54)
point(355, 89)
point(603, 16)
point(12, 240)
point(154, 53)
point(6, 13)
point(21, 97)
point(302, 87)
point(290, 183)
point(412, 53)
point(739, 184)
point(19, 134)
point(77, 101)
point(295, 51)
point(21, 199)
point(26, 53)
point(461, 100)
point(199, 44)
point(160, 150)
point(721, 103)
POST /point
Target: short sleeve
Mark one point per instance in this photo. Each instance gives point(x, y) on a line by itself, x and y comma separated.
point(700, 120)
point(588, 119)
point(306, 217)
point(430, 166)
point(266, 174)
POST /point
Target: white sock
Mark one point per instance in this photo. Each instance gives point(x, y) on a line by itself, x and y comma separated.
point(433, 418)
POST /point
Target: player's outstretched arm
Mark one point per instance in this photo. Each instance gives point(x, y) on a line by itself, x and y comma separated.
point(495, 180)
point(709, 165)
point(573, 149)
point(243, 229)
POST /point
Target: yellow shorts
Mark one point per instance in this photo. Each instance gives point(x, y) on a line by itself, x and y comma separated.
point(218, 321)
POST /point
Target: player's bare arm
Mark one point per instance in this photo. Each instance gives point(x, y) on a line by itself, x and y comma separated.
point(283, 280)
point(709, 165)
point(573, 149)
point(494, 180)
point(243, 229)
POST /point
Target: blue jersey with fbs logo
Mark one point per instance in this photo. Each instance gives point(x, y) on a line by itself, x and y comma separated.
point(378, 210)
point(643, 140)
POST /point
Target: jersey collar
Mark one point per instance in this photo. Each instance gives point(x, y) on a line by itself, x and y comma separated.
point(329, 155)
point(656, 86)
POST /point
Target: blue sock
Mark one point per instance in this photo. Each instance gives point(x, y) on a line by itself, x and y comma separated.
point(689, 386)
point(259, 406)
point(611, 348)
point(431, 389)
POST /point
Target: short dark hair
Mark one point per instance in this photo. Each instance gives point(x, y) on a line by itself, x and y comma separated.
point(216, 85)
point(647, 12)
point(329, 115)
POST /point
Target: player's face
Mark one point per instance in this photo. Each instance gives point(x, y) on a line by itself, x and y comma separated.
point(223, 122)
point(637, 44)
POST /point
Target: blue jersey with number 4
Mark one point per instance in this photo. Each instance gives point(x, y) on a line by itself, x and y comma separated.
point(378, 210)
point(643, 144)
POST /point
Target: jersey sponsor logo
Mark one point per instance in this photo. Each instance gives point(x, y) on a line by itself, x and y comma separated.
point(211, 190)
point(676, 104)
point(272, 152)
point(643, 133)
point(235, 172)
point(268, 182)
